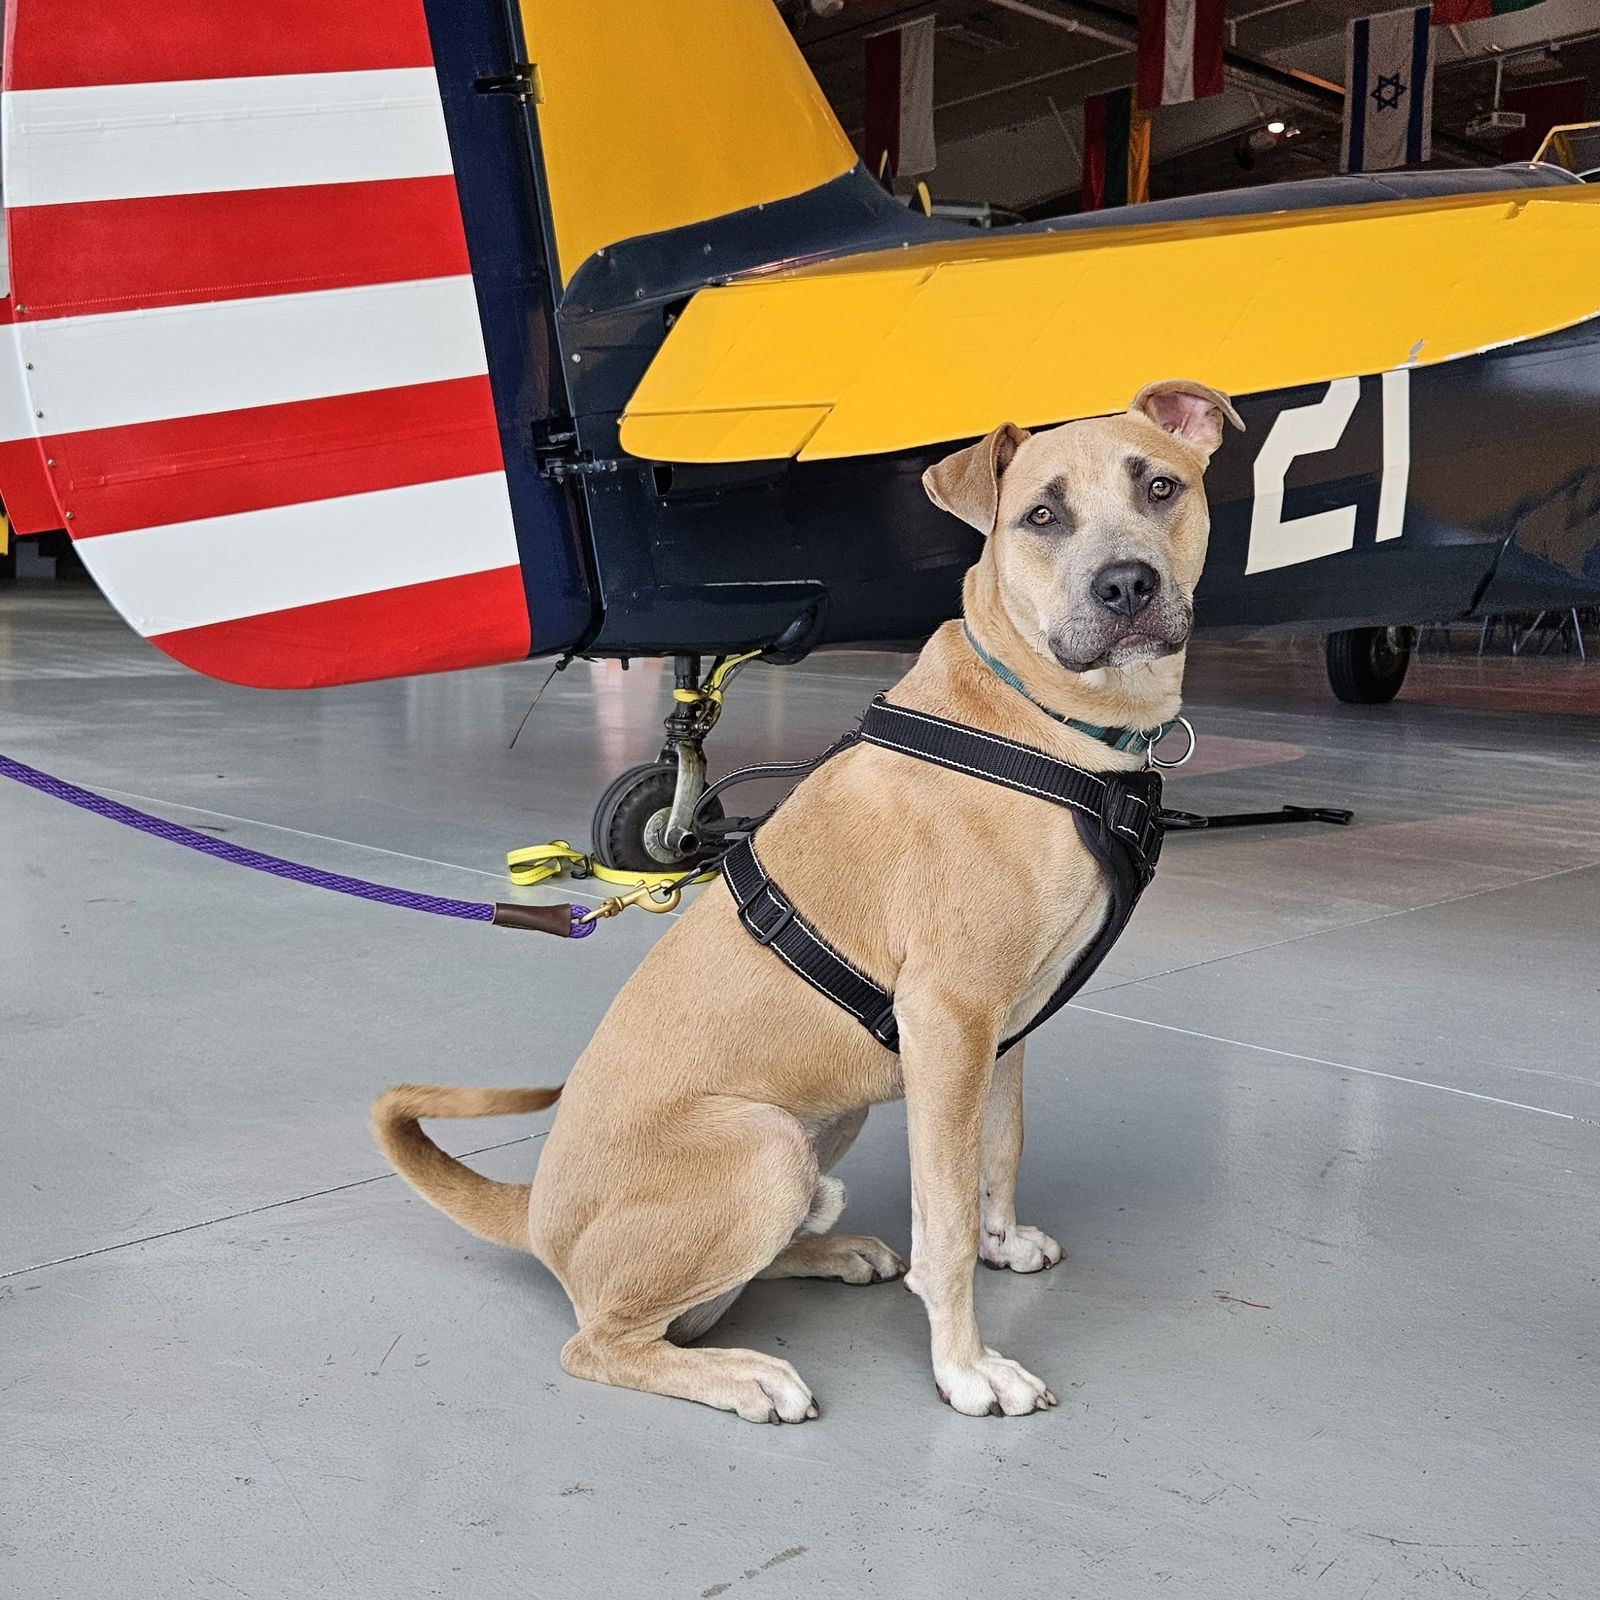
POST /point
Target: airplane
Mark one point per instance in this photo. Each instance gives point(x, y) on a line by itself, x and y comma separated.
point(354, 343)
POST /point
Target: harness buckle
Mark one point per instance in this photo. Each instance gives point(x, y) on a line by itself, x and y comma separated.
point(1134, 815)
point(883, 1027)
point(762, 935)
point(1117, 813)
point(1152, 832)
point(1148, 825)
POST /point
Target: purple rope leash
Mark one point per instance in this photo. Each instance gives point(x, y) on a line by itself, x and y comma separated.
point(256, 860)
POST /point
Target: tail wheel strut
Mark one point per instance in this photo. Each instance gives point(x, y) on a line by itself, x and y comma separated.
point(630, 822)
point(645, 821)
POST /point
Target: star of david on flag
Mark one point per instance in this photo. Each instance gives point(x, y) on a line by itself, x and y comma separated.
point(1388, 104)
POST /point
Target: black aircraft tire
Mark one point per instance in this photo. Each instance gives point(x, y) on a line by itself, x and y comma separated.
point(1366, 666)
point(626, 810)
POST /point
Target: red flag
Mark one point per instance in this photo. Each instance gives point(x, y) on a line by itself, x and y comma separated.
point(1447, 13)
point(899, 63)
point(1546, 106)
point(1180, 51)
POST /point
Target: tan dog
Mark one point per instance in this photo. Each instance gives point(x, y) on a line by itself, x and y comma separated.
point(690, 1151)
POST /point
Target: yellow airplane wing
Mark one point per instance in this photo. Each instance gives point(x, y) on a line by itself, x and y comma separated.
point(903, 348)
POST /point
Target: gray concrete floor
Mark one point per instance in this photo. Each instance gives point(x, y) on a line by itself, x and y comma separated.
point(1321, 1143)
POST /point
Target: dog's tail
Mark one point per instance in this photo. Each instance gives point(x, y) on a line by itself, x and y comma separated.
point(483, 1206)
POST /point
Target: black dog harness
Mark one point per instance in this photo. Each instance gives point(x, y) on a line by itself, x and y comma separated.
point(1118, 815)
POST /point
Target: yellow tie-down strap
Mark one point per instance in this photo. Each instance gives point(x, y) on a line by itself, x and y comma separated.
point(539, 862)
point(904, 348)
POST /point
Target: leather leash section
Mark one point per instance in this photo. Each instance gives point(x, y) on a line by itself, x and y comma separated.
point(565, 921)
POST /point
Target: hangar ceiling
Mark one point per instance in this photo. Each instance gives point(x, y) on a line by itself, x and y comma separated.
point(1010, 78)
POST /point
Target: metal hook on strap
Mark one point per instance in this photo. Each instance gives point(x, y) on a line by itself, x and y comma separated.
point(1188, 727)
point(657, 898)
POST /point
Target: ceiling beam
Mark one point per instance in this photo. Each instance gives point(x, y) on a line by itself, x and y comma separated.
point(1024, 8)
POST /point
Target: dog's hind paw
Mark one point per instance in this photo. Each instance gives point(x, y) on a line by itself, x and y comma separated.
point(767, 1390)
point(1021, 1248)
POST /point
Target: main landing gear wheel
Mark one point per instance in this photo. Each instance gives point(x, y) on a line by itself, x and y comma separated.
point(1366, 666)
point(629, 829)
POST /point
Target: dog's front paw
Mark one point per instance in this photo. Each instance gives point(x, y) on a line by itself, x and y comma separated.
point(992, 1387)
point(1021, 1248)
point(850, 1257)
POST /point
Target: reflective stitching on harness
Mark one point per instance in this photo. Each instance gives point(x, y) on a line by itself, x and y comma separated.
point(1136, 834)
point(815, 982)
point(959, 729)
point(796, 920)
point(978, 772)
point(992, 738)
point(827, 949)
point(814, 979)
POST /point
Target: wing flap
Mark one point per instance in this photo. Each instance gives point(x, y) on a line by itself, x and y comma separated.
point(913, 347)
point(753, 434)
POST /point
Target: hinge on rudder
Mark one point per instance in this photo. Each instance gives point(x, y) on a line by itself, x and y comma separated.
point(522, 81)
point(555, 447)
point(581, 466)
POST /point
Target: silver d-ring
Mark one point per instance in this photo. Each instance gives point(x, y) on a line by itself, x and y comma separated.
point(1188, 727)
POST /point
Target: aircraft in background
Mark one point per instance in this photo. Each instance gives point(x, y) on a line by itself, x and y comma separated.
point(352, 344)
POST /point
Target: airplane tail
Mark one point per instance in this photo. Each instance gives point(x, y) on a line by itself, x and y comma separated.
point(672, 116)
point(490, 1209)
point(255, 451)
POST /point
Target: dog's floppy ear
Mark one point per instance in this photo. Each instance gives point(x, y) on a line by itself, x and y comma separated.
point(967, 484)
point(1188, 409)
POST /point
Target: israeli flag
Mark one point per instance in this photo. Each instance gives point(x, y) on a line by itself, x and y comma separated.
point(1388, 103)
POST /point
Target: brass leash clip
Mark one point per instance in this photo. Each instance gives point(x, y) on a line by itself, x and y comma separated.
point(645, 897)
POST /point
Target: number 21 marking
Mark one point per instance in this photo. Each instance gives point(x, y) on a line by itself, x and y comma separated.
point(1308, 430)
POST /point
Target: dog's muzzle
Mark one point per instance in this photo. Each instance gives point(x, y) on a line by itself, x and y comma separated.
point(1109, 641)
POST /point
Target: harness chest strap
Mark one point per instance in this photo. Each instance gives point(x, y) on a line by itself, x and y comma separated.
point(1118, 817)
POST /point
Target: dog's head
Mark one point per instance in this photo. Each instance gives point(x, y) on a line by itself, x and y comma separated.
point(1097, 529)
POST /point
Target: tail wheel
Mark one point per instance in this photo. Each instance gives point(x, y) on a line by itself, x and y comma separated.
point(631, 819)
point(1366, 666)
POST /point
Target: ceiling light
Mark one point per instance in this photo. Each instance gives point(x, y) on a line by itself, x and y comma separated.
point(1276, 127)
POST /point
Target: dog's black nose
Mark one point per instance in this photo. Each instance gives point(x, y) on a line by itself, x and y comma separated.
point(1126, 586)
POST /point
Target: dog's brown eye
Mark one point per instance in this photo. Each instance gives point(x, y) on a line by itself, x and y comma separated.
point(1041, 516)
point(1162, 488)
